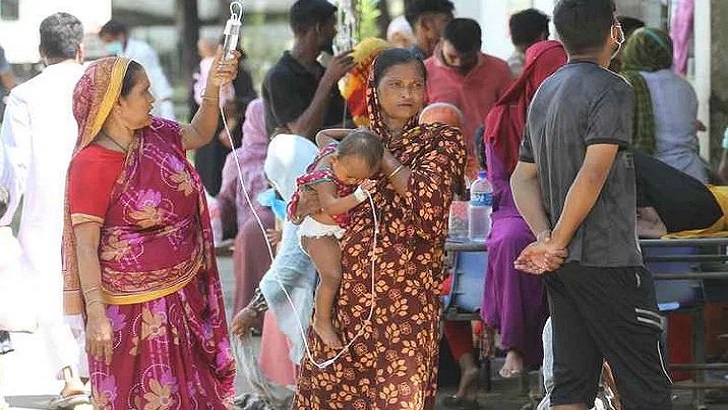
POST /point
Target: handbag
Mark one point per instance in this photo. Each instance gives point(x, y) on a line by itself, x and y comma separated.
point(17, 310)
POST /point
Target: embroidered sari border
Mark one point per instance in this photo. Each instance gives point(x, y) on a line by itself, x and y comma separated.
point(146, 296)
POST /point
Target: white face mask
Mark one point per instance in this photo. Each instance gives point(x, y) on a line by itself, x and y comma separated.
point(619, 40)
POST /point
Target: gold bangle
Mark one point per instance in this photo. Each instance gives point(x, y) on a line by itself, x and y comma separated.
point(92, 301)
point(210, 100)
point(91, 289)
point(396, 170)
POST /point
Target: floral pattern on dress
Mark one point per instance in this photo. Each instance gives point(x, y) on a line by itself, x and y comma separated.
point(159, 397)
point(153, 324)
point(147, 209)
point(104, 393)
point(113, 247)
point(181, 178)
point(393, 364)
point(159, 343)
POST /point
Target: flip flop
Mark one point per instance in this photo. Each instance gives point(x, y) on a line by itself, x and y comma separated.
point(61, 402)
point(510, 374)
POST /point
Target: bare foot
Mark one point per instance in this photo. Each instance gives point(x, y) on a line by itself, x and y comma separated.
point(72, 384)
point(513, 367)
point(69, 390)
point(327, 333)
point(467, 381)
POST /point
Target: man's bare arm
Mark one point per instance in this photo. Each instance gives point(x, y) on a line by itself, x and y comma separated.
point(313, 117)
point(584, 191)
point(527, 195)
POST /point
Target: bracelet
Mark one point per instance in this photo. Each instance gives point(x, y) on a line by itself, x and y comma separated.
point(543, 235)
point(216, 101)
point(91, 289)
point(361, 195)
point(258, 304)
point(92, 301)
point(396, 170)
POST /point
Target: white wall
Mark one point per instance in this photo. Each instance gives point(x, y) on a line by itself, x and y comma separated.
point(20, 38)
point(493, 18)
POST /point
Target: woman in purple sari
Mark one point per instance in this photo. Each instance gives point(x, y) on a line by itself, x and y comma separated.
point(514, 302)
point(139, 259)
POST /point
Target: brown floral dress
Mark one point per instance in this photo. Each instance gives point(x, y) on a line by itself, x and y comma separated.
point(393, 363)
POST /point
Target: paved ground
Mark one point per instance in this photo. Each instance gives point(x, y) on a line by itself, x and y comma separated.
point(29, 382)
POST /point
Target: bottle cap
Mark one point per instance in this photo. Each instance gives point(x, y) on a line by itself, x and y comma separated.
point(482, 174)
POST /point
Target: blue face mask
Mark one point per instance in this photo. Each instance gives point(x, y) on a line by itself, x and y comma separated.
point(115, 48)
point(268, 198)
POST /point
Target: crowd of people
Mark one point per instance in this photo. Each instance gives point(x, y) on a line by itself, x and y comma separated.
point(337, 192)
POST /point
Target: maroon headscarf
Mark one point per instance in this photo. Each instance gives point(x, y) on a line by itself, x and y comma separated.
point(506, 121)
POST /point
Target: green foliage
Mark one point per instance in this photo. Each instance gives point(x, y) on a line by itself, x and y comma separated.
point(369, 14)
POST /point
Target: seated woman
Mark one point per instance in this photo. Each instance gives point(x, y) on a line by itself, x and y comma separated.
point(666, 106)
point(514, 302)
point(458, 334)
point(291, 274)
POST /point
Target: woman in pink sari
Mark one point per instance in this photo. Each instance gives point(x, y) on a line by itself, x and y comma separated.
point(138, 250)
point(250, 257)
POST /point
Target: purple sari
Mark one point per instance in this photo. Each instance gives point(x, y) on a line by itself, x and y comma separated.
point(514, 303)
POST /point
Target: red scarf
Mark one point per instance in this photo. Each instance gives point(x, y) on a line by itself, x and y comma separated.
point(506, 121)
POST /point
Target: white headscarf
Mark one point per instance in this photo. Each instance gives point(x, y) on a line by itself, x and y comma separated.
point(287, 159)
point(400, 25)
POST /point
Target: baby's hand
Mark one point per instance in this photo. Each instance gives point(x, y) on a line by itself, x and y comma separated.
point(368, 185)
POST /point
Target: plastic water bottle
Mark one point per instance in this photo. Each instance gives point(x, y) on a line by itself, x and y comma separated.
point(479, 208)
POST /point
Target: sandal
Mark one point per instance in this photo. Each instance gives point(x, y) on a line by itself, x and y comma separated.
point(510, 374)
point(60, 402)
point(459, 403)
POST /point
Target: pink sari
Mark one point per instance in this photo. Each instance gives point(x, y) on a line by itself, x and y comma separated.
point(159, 278)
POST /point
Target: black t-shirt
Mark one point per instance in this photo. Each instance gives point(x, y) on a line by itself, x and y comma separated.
point(682, 201)
point(580, 105)
point(288, 90)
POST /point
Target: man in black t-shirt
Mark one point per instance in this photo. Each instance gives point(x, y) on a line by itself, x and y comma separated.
point(300, 96)
point(575, 187)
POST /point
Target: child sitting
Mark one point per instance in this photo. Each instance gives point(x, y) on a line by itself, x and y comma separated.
point(334, 175)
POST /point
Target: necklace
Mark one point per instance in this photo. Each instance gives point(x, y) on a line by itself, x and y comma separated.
point(121, 147)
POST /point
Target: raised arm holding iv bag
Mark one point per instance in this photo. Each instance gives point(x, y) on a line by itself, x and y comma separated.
point(232, 37)
point(232, 29)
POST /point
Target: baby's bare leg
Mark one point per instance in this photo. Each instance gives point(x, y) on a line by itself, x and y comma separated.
point(326, 255)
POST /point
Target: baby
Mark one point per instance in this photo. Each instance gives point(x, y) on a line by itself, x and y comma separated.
point(339, 175)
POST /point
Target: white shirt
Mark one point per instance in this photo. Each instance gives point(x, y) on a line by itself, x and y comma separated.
point(38, 135)
point(675, 109)
point(145, 55)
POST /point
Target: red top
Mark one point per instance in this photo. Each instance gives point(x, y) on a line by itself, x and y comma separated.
point(315, 175)
point(474, 93)
point(92, 174)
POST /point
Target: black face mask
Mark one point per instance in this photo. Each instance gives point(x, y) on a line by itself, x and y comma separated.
point(328, 47)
